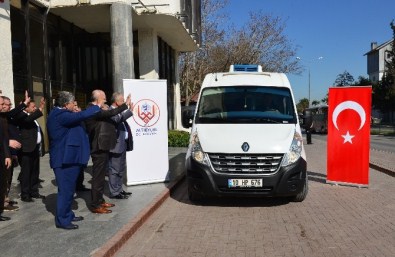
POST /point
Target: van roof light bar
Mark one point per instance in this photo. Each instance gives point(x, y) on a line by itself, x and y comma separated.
point(245, 68)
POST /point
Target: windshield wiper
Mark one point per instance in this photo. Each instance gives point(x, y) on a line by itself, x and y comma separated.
point(266, 120)
point(210, 120)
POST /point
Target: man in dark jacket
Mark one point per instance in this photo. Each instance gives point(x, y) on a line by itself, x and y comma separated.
point(124, 143)
point(102, 137)
point(5, 160)
point(32, 148)
point(14, 143)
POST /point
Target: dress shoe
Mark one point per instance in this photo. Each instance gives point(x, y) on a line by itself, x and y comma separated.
point(38, 196)
point(120, 196)
point(101, 210)
point(82, 189)
point(11, 208)
point(2, 218)
point(107, 205)
point(27, 199)
point(126, 193)
point(12, 202)
point(78, 218)
point(71, 226)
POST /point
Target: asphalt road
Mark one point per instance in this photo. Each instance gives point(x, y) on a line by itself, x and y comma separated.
point(377, 142)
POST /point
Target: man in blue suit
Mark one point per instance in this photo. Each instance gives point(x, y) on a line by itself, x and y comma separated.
point(69, 150)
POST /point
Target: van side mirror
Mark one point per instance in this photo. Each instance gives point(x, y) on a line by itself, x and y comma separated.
point(187, 113)
point(307, 119)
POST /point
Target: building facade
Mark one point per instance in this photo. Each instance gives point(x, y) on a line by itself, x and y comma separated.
point(82, 45)
point(376, 59)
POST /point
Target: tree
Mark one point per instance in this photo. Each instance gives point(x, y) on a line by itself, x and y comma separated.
point(362, 81)
point(194, 64)
point(384, 90)
point(344, 79)
point(390, 61)
point(315, 102)
point(384, 95)
point(302, 104)
point(260, 41)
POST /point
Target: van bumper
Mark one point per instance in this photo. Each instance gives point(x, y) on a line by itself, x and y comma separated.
point(287, 181)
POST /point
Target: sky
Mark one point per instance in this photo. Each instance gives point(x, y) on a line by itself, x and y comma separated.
point(340, 31)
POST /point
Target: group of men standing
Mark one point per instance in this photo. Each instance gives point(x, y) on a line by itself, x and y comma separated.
point(109, 136)
point(21, 144)
point(100, 132)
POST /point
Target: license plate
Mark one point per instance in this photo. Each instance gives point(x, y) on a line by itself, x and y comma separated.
point(244, 183)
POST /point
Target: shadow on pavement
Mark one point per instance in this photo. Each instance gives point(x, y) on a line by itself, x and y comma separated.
point(176, 167)
point(180, 194)
point(316, 177)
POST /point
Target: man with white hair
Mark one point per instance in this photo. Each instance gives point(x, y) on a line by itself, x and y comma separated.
point(102, 137)
point(124, 143)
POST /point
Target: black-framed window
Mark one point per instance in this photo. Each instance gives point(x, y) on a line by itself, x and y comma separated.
point(77, 60)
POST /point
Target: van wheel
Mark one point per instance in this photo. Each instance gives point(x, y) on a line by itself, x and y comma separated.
point(302, 195)
point(193, 196)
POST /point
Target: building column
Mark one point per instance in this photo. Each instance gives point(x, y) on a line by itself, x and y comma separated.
point(6, 78)
point(121, 44)
point(177, 94)
point(148, 54)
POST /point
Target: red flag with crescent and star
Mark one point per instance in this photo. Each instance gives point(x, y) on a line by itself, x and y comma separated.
point(348, 144)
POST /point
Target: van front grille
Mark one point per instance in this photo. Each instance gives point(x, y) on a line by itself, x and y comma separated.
point(245, 163)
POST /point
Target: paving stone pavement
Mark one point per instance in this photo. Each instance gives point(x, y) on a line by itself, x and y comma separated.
point(332, 221)
point(31, 232)
point(384, 160)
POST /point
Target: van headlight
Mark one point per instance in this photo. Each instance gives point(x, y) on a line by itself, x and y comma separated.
point(295, 150)
point(196, 150)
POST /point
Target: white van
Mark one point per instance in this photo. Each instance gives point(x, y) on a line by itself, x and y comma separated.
point(246, 138)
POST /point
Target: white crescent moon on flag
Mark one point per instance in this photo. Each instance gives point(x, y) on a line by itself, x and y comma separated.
point(349, 105)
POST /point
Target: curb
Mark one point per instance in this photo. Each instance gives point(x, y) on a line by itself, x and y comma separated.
point(120, 238)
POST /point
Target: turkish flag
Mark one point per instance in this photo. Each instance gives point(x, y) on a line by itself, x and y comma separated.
point(349, 135)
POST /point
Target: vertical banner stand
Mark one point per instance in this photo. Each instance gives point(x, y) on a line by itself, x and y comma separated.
point(349, 135)
point(149, 161)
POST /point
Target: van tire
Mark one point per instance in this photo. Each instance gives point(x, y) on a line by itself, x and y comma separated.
point(302, 195)
point(193, 196)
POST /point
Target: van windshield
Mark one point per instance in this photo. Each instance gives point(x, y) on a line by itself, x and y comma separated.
point(246, 104)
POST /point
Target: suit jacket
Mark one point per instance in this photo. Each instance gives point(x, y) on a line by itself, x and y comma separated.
point(69, 143)
point(13, 130)
point(29, 131)
point(13, 114)
point(4, 150)
point(123, 129)
point(101, 129)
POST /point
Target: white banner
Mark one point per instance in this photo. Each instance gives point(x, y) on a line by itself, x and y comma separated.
point(149, 161)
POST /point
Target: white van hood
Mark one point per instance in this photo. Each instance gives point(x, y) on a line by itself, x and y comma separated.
point(262, 138)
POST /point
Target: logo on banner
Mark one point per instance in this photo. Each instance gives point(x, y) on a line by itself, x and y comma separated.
point(352, 106)
point(146, 113)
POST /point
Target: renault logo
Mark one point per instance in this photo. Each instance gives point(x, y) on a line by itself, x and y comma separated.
point(245, 146)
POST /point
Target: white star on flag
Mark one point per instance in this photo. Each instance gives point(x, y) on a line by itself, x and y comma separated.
point(347, 137)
